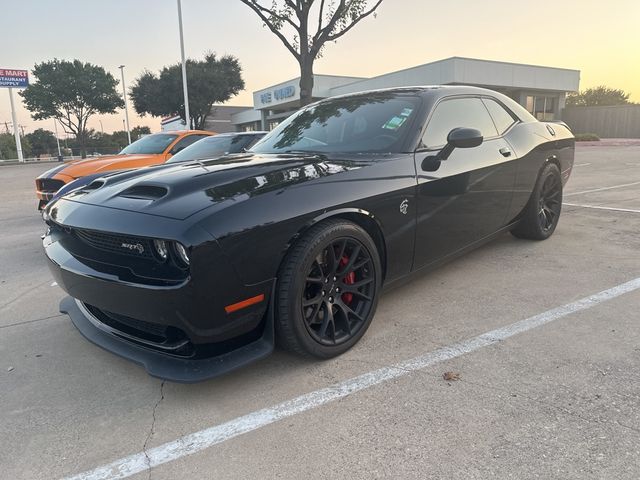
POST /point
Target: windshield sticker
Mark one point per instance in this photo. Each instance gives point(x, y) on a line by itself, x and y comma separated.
point(395, 123)
point(406, 112)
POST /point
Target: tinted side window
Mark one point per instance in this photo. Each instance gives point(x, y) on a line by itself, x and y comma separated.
point(501, 117)
point(185, 142)
point(457, 112)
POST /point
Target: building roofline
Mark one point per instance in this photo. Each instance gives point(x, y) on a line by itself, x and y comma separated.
point(513, 63)
point(435, 62)
point(315, 75)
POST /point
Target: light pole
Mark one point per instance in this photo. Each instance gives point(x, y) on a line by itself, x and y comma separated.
point(126, 110)
point(187, 118)
point(16, 130)
point(55, 128)
point(101, 127)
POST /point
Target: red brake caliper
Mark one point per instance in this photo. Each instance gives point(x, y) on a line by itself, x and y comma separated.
point(349, 279)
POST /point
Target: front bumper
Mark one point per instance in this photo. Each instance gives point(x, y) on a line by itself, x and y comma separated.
point(182, 330)
point(174, 369)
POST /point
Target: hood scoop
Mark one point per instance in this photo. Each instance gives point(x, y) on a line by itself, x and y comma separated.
point(94, 185)
point(145, 192)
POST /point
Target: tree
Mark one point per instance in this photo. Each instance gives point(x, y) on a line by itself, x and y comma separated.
point(210, 81)
point(108, 144)
point(600, 95)
point(43, 142)
point(8, 147)
point(71, 92)
point(292, 18)
point(137, 132)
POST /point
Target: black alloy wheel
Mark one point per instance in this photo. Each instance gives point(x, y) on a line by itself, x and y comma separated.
point(327, 290)
point(550, 203)
point(338, 293)
point(540, 217)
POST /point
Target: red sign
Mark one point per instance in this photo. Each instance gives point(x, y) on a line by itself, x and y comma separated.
point(14, 78)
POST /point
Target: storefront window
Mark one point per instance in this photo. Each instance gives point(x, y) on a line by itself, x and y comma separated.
point(543, 108)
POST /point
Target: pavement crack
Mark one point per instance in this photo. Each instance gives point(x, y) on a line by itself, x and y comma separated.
point(152, 429)
point(23, 294)
point(26, 322)
point(560, 408)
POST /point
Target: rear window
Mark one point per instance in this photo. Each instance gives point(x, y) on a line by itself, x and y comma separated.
point(501, 117)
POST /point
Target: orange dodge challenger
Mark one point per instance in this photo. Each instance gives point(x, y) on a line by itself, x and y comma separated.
point(149, 150)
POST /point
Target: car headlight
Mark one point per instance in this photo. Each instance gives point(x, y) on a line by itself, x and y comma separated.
point(182, 253)
point(161, 248)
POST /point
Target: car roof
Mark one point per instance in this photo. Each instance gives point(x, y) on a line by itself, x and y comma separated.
point(435, 92)
point(234, 134)
point(432, 90)
point(187, 132)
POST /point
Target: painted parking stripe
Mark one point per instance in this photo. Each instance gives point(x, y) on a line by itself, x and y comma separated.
point(602, 189)
point(598, 207)
point(581, 164)
point(199, 441)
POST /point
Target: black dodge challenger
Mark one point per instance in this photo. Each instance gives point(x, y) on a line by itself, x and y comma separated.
point(195, 269)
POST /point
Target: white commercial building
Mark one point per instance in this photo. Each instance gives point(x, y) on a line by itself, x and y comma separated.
point(541, 90)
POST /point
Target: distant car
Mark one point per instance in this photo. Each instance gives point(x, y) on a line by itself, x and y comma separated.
point(217, 146)
point(195, 269)
point(207, 148)
point(148, 150)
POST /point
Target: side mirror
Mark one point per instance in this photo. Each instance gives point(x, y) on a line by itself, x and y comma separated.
point(464, 138)
point(460, 137)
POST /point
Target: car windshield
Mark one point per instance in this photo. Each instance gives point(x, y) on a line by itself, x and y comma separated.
point(212, 147)
point(368, 123)
point(151, 144)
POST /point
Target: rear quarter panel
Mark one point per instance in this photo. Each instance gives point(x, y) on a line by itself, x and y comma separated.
point(534, 145)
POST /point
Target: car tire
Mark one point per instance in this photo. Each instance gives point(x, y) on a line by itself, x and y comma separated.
point(325, 301)
point(541, 215)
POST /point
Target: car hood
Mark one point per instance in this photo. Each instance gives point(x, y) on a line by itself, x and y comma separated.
point(181, 190)
point(81, 168)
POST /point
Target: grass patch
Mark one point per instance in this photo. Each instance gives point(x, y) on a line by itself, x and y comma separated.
point(587, 137)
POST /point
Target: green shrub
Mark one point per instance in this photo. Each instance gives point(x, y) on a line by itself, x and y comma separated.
point(587, 137)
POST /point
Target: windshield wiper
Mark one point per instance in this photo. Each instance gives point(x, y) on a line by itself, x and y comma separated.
point(308, 152)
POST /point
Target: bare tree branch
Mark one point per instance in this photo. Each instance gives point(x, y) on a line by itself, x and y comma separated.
point(320, 38)
point(335, 36)
point(274, 14)
point(320, 15)
point(253, 6)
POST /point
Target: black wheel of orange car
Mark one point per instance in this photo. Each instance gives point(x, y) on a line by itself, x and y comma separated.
point(328, 290)
point(543, 210)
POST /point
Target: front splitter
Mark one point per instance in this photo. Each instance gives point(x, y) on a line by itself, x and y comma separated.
point(166, 367)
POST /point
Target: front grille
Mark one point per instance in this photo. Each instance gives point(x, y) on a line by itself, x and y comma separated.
point(130, 258)
point(122, 244)
point(49, 184)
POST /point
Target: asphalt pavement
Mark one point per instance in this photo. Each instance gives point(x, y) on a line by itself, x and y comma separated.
point(557, 399)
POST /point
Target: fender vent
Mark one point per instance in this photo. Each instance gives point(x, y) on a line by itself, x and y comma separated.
point(145, 192)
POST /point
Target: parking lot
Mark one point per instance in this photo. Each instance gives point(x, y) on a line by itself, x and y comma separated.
point(555, 396)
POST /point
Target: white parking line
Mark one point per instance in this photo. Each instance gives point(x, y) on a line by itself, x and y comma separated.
point(598, 207)
point(601, 189)
point(581, 164)
point(198, 441)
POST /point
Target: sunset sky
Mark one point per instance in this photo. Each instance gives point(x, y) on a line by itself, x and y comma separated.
point(601, 39)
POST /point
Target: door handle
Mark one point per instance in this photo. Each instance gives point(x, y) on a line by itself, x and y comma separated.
point(505, 152)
